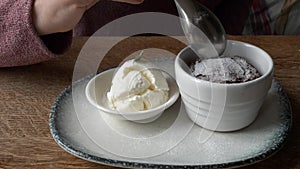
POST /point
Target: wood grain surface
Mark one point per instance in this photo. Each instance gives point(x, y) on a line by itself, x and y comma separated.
point(27, 94)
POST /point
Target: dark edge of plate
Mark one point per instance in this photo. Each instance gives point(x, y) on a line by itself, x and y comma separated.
point(127, 164)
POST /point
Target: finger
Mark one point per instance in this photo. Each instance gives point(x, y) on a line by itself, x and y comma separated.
point(130, 1)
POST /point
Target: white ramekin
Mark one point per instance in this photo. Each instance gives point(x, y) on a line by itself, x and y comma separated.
point(224, 107)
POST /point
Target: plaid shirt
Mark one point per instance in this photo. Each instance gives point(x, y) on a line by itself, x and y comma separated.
point(260, 21)
point(269, 17)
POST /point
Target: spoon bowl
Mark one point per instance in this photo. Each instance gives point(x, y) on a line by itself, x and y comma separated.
point(202, 29)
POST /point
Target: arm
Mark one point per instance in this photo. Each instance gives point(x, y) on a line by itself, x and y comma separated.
point(32, 31)
point(20, 43)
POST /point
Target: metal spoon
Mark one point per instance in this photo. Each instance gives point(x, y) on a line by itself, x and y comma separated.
point(202, 29)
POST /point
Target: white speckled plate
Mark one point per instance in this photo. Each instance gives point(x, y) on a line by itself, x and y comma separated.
point(82, 131)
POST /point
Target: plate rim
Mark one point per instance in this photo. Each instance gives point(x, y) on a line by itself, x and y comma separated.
point(129, 164)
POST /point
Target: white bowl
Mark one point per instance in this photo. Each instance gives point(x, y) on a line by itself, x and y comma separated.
point(98, 87)
point(224, 107)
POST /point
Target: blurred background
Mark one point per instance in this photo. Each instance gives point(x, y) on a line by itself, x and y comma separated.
point(239, 17)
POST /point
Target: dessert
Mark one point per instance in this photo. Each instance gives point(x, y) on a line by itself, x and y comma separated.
point(224, 70)
point(137, 86)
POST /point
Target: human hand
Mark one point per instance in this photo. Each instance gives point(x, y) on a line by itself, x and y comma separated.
point(52, 16)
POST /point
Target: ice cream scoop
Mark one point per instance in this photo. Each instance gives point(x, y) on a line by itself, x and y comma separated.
point(137, 86)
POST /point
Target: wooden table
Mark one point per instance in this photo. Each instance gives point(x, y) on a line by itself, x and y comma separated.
point(27, 93)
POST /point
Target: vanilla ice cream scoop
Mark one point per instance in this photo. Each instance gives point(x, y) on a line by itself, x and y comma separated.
point(137, 86)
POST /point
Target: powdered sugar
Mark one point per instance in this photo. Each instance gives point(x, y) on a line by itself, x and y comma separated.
point(224, 70)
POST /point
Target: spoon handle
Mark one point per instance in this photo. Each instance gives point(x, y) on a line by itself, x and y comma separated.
point(200, 26)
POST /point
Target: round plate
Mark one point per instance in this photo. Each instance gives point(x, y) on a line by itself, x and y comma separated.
point(79, 129)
